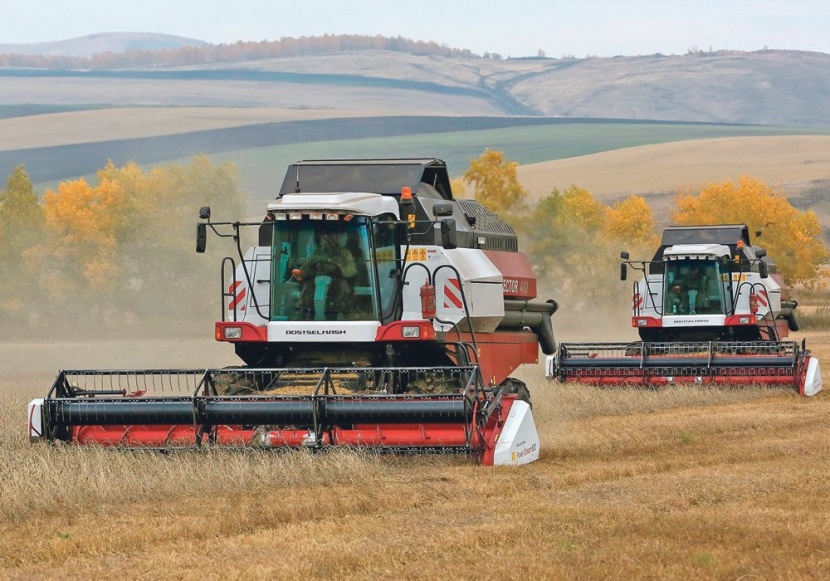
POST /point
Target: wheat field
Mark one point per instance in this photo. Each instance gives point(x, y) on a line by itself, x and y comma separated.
point(780, 161)
point(682, 482)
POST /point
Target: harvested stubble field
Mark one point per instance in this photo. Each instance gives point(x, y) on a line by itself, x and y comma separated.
point(680, 483)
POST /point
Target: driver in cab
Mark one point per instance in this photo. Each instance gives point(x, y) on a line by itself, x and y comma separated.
point(326, 279)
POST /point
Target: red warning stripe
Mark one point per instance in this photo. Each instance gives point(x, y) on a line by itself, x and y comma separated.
point(238, 296)
point(638, 301)
point(452, 294)
point(763, 300)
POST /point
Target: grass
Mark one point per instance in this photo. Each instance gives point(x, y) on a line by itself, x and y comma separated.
point(817, 319)
point(675, 483)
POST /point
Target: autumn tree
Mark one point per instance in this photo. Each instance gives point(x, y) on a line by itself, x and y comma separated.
point(574, 242)
point(21, 225)
point(792, 238)
point(630, 223)
point(458, 187)
point(123, 248)
point(496, 183)
point(83, 223)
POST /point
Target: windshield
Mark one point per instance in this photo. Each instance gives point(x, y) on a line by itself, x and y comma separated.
point(693, 287)
point(323, 271)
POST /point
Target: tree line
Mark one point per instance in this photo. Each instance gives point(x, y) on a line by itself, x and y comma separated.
point(574, 240)
point(120, 250)
point(235, 52)
point(116, 251)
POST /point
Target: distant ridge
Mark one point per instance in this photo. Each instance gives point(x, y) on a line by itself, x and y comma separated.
point(347, 73)
point(115, 42)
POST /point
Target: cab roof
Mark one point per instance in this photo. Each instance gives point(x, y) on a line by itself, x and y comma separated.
point(727, 234)
point(380, 176)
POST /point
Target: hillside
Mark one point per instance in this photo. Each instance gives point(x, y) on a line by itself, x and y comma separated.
point(770, 87)
point(117, 42)
point(262, 113)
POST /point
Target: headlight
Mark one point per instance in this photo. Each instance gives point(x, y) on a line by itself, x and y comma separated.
point(411, 332)
point(233, 332)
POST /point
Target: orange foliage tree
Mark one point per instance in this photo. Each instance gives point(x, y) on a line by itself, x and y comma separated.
point(631, 222)
point(123, 248)
point(793, 238)
point(496, 182)
point(84, 221)
point(574, 242)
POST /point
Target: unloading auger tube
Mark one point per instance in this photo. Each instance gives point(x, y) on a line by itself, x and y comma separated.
point(727, 363)
point(191, 409)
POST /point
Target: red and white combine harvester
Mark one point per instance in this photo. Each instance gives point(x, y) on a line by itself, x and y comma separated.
point(709, 309)
point(374, 310)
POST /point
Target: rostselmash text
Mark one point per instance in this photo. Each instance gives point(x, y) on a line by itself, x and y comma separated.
point(315, 332)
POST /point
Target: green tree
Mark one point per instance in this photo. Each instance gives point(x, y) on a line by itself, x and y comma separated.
point(21, 227)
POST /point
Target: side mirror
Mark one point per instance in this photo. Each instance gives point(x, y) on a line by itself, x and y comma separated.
point(439, 210)
point(624, 255)
point(204, 212)
point(763, 269)
point(201, 237)
point(760, 252)
point(449, 234)
point(623, 271)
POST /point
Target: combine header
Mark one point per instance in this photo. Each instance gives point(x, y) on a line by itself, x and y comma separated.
point(709, 309)
point(375, 311)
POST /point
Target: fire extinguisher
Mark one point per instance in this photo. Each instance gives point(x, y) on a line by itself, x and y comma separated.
point(753, 303)
point(428, 301)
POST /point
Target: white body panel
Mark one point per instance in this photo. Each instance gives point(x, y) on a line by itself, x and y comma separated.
point(518, 442)
point(550, 367)
point(242, 306)
point(364, 204)
point(649, 299)
point(697, 250)
point(35, 420)
point(480, 281)
point(314, 331)
point(694, 320)
point(812, 381)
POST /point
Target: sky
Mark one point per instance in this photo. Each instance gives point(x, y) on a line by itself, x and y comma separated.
point(509, 28)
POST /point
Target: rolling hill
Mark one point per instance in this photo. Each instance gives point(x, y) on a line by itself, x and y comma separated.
point(263, 113)
point(117, 42)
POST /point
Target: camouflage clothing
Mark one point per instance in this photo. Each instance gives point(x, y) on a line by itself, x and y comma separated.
point(327, 279)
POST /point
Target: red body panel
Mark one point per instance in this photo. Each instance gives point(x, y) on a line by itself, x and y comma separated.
point(502, 352)
point(519, 279)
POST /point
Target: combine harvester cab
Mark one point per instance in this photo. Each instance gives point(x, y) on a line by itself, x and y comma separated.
point(374, 310)
point(709, 309)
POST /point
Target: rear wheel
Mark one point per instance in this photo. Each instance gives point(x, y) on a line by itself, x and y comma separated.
point(511, 385)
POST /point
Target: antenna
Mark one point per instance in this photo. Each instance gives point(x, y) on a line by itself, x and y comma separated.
point(297, 186)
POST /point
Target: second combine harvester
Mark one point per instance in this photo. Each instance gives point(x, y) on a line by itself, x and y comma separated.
point(373, 310)
point(709, 309)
